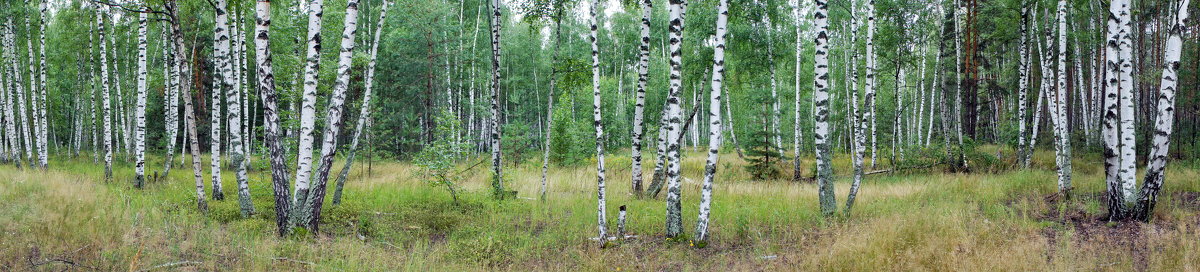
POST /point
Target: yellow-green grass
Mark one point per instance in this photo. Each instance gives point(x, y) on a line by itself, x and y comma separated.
point(392, 220)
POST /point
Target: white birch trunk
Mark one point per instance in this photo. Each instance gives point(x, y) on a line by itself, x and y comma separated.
point(1022, 87)
point(871, 79)
point(333, 119)
point(639, 106)
point(602, 221)
point(271, 127)
point(1111, 133)
point(1064, 136)
point(494, 140)
point(308, 108)
point(674, 113)
point(139, 136)
point(821, 107)
point(714, 121)
point(1128, 166)
point(42, 124)
point(227, 77)
point(107, 107)
point(365, 110)
point(1164, 122)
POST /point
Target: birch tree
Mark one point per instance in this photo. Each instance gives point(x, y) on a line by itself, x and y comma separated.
point(796, 133)
point(308, 107)
point(1114, 93)
point(333, 119)
point(219, 85)
point(639, 104)
point(227, 80)
point(1164, 122)
point(139, 136)
point(1022, 86)
point(1060, 109)
point(42, 125)
point(106, 105)
point(821, 104)
point(494, 140)
point(602, 222)
point(714, 122)
point(365, 110)
point(271, 126)
point(869, 102)
point(674, 113)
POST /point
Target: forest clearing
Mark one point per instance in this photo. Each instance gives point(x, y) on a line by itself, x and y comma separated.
point(393, 221)
point(599, 135)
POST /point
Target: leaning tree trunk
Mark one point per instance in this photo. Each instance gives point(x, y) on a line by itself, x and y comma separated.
point(365, 109)
point(227, 79)
point(11, 130)
point(602, 222)
point(640, 102)
point(674, 216)
point(308, 109)
point(714, 122)
point(333, 120)
point(869, 102)
point(1115, 80)
point(139, 133)
point(183, 71)
point(271, 126)
point(494, 140)
point(1148, 195)
point(821, 102)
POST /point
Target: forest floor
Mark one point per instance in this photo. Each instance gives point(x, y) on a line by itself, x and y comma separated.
point(70, 219)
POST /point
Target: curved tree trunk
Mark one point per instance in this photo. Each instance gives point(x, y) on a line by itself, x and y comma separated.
point(365, 109)
point(1164, 123)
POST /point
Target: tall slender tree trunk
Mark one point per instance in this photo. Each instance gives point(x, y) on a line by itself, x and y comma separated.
point(271, 126)
point(1164, 122)
point(1022, 87)
point(797, 174)
point(364, 110)
point(821, 103)
point(494, 141)
point(333, 119)
point(640, 102)
point(1128, 167)
point(872, 82)
point(602, 222)
point(42, 125)
point(107, 107)
point(227, 79)
point(674, 217)
point(139, 136)
point(308, 110)
point(1114, 95)
point(714, 122)
point(550, 108)
point(219, 85)
point(1064, 137)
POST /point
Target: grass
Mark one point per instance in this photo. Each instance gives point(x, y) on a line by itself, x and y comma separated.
point(920, 220)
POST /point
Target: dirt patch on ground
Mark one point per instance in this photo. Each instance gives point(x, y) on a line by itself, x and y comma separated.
point(1092, 229)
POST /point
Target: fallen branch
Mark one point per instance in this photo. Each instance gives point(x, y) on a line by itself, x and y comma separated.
point(282, 259)
point(171, 265)
point(60, 260)
point(900, 169)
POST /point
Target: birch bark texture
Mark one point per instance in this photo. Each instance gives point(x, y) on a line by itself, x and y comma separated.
point(639, 106)
point(602, 221)
point(365, 110)
point(674, 220)
point(104, 94)
point(821, 107)
point(494, 140)
point(714, 121)
point(271, 126)
point(308, 106)
point(333, 119)
point(139, 136)
point(1164, 122)
point(228, 80)
point(1115, 78)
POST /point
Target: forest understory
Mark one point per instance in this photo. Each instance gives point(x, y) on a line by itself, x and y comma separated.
point(69, 218)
